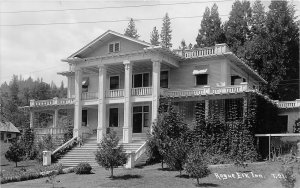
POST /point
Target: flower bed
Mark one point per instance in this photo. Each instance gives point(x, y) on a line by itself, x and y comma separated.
point(23, 174)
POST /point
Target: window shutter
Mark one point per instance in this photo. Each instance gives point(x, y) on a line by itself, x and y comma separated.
point(117, 47)
point(111, 48)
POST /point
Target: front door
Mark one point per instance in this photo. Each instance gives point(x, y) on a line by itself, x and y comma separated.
point(137, 120)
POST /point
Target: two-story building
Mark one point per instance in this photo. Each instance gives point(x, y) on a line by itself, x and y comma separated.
point(116, 81)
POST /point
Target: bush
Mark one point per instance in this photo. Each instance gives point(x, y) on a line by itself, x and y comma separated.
point(15, 152)
point(27, 141)
point(289, 179)
point(83, 168)
point(196, 164)
point(46, 143)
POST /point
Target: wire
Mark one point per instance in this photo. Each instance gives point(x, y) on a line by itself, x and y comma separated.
point(112, 7)
point(99, 21)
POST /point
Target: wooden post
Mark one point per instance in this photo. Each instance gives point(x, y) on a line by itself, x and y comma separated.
point(101, 129)
point(269, 147)
point(127, 128)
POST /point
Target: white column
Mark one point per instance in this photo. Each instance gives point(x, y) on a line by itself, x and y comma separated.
point(78, 105)
point(206, 109)
point(55, 118)
point(127, 129)
point(101, 129)
point(155, 89)
point(69, 86)
point(31, 119)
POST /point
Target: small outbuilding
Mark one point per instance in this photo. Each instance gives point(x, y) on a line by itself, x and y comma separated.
point(8, 131)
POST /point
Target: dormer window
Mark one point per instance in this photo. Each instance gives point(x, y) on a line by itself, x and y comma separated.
point(114, 47)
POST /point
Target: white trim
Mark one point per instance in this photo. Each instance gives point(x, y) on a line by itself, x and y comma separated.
point(119, 80)
point(201, 71)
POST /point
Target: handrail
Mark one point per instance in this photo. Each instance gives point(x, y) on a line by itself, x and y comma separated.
point(140, 151)
point(71, 141)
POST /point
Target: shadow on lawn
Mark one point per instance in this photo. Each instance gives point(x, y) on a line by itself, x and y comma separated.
point(126, 177)
point(207, 185)
point(183, 176)
point(165, 169)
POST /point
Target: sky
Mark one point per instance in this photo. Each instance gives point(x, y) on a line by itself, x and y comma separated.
point(36, 46)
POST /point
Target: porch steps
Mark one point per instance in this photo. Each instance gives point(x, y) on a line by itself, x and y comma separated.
point(86, 153)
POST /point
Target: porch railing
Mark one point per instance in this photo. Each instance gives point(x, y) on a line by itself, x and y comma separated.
point(68, 143)
point(89, 95)
point(141, 91)
point(54, 101)
point(52, 131)
point(115, 93)
point(140, 152)
point(288, 104)
point(206, 90)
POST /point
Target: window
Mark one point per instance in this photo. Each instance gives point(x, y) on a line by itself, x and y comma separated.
point(114, 47)
point(84, 118)
point(85, 84)
point(114, 82)
point(164, 79)
point(144, 111)
point(236, 80)
point(141, 80)
point(8, 135)
point(201, 79)
point(113, 117)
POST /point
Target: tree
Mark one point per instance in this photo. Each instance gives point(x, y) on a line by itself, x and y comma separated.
point(110, 155)
point(211, 31)
point(169, 126)
point(131, 31)
point(183, 44)
point(154, 37)
point(196, 164)
point(15, 152)
point(176, 152)
point(27, 141)
point(166, 32)
point(237, 29)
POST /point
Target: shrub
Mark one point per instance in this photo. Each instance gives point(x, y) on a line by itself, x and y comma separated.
point(110, 155)
point(152, 151)
point(83, 168)
point(289, 179)
point(176, 153)
point(27, 141)
point(196, 165)
point(15, 152)
point(297, 126)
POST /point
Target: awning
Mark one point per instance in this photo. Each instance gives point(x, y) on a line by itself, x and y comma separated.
point(85, 81)
point(200, 70)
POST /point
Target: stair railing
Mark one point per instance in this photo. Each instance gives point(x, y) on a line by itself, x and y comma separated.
point(140, 151)
point(68, 143)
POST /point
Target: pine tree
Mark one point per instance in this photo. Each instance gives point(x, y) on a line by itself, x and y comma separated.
point(166, 32)
point(183, 44)
point(110, 154)
point(237, 29)
point(154, 37)
point(131, 31)
point(211, 31)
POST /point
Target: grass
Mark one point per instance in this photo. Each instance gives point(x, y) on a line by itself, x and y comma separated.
point(151, 176)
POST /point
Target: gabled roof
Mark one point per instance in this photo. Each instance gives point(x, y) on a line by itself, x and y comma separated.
point(107, 33)
point(8, 127)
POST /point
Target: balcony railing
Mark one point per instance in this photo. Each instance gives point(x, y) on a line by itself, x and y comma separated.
point(141, 91)
point(288, 104)
point(201, 52)
point(49, 102)
point(89, 95)
point(52, 131)
point(114, 93)
point(206, 90)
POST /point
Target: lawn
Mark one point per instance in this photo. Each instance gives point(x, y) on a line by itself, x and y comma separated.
point(154, 176)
